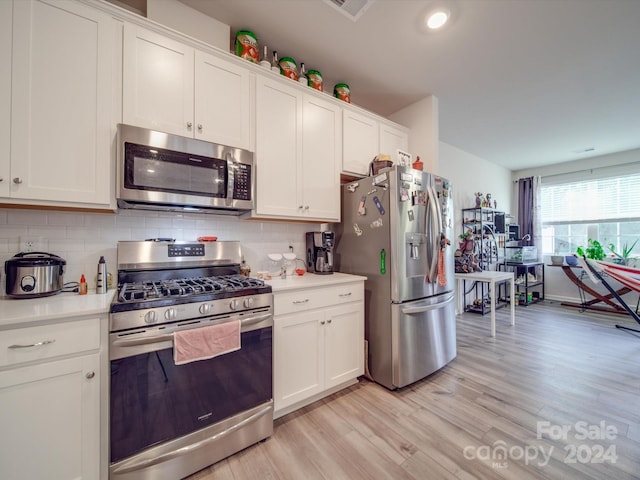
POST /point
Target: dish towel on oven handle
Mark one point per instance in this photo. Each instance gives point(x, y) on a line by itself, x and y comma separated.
point(205, 342)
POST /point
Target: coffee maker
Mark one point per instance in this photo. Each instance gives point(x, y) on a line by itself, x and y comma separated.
point(320, 252)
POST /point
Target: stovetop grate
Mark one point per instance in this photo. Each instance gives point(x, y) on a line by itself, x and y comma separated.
point(182, 287)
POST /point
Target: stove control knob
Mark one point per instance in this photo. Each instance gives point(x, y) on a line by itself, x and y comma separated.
point(170, 313)
point(234, 304)
point(248, 302)
point(151, 316)
point(205, 308)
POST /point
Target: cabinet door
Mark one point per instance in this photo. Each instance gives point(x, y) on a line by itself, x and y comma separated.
point(6, 17)
point(392, 139)
point(278, 149)
point(321, 159)
point(344, 343)
point(298, 357)
point(157, 82)
point(360, 142)
point(50, 420)
point(61, 100)
point(223, 98)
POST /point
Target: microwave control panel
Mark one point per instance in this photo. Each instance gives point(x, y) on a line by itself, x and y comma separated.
point(242, 182)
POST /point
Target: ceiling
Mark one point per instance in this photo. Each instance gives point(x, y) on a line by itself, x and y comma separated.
point(521, 83)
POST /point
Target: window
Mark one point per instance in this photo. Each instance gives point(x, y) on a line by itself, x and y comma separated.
point(604, 209)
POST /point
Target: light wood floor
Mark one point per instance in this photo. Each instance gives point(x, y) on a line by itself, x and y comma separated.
point(512, 394)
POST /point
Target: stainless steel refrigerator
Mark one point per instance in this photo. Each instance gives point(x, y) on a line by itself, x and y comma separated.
point(397, 230)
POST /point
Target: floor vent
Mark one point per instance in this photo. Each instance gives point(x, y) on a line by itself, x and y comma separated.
point(353, 9)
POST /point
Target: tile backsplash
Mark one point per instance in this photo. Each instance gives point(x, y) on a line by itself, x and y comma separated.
point(81, 238)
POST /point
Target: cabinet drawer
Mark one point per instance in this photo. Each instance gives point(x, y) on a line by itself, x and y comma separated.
point(311, 298)
point(47, 341)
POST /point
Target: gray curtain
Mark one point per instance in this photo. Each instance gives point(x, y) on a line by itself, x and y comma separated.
point(526, 203)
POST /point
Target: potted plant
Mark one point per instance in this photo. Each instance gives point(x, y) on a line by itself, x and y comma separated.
point(594, 250)
point(623, 257)
point(467, 244)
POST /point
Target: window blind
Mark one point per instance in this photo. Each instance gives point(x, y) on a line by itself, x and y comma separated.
point(599, 200)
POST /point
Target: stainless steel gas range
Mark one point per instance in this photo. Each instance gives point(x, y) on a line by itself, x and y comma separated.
point(169, 419)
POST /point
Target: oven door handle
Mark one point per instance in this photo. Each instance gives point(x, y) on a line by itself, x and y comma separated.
point(134, 342)
point(140, 464)
point(256, 319)
point(168, 337)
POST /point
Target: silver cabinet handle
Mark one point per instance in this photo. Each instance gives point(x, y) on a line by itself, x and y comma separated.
point(38, 344)
point(329, 321)
point(90, 375)
point(17, 180)
point(300, 207)
point(297, 302)
point(345, 294)
point(1, 179)
point(306, 207)
point(200, 127)
point(189, 124)
point(322, 322)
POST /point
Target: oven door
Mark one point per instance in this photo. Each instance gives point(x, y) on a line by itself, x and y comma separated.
point(161, 411)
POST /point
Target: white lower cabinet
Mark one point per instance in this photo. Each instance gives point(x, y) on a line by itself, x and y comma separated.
point(50, 397)
point(318, 343)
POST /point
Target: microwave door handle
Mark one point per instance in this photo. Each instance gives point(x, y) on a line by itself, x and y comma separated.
point(231, 177)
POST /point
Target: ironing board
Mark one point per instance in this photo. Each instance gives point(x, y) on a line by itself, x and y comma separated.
point(627, 276)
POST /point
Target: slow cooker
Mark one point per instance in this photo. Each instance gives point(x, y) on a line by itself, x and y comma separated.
point(34, 274)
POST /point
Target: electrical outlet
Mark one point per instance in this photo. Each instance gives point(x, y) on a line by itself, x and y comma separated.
point(33, 244)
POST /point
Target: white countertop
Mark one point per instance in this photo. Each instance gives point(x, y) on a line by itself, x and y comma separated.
point(311, 280)
point(32, 311)
point(16, 312)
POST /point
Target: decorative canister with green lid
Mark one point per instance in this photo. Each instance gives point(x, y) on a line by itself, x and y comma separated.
point(247, 45)
point(288, 68)
point(342, 91)
point(314, 80)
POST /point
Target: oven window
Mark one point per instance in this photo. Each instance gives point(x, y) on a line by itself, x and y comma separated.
point(153, 400)
point(168, 171)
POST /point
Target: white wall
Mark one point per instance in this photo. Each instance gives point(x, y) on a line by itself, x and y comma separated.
point(469, 174)
point(421, 118)
point(189, 21)
point(81, 238)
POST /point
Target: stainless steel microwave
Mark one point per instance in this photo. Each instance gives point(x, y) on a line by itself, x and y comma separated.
point(160, 171)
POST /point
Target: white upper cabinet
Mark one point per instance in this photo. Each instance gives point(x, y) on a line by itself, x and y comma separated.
point(367, 135)
point(392, 139)
point(298, 139)
point(157, 82)
point(361, 139)
point(278, 148)
point(60, 110)
point(224, 97)
point(321, 157)
point(6, 14)
point(171, 87)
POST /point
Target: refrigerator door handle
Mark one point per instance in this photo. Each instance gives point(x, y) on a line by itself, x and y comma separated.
point(425, 308)
point(436, 221)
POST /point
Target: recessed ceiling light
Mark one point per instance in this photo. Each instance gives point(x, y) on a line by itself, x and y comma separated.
point(438, 18)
